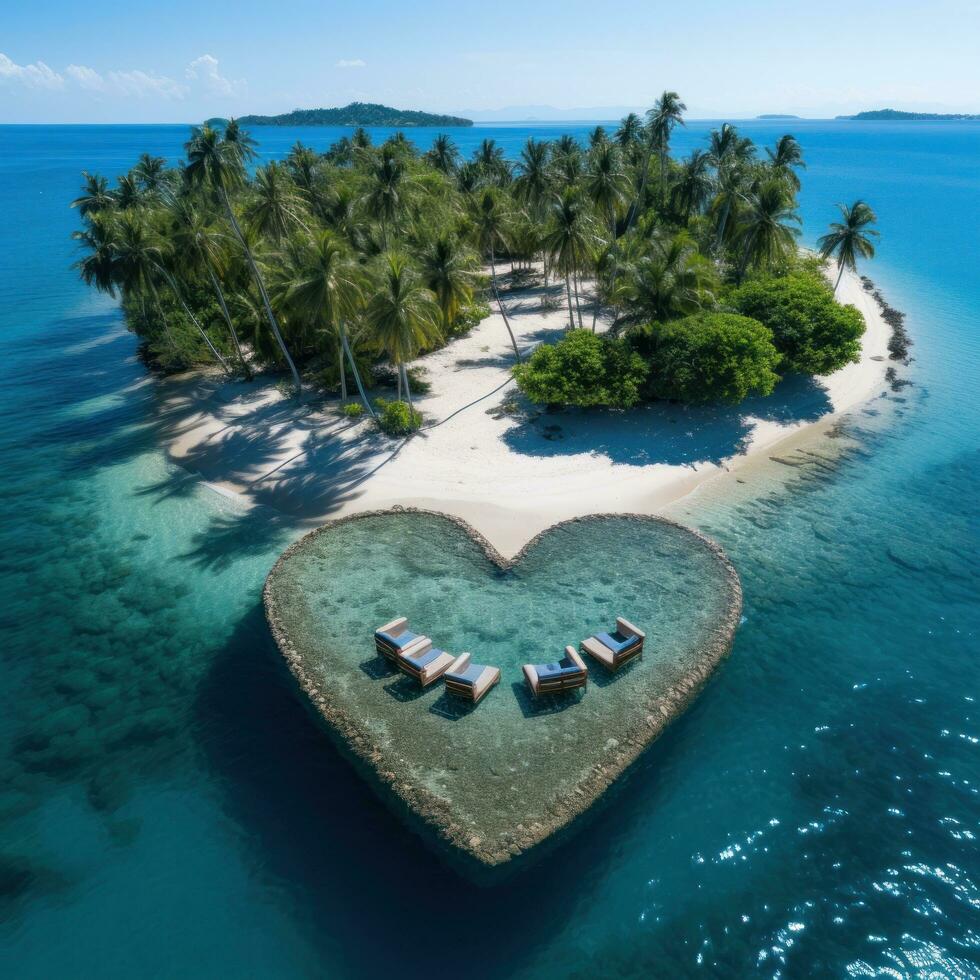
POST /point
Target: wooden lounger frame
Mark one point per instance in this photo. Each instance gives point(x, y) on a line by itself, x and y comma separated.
point(619, 660)
point(468, 691)
point(396, 626)
point(564, 682)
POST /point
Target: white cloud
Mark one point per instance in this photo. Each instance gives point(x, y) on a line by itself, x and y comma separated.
point(140, 84)
point(205, 71)
point(36, 75)
point(87, 78)
point(202, 78)
point(351, 63)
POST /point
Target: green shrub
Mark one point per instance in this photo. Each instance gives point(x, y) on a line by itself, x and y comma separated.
point(353, 410)
point(467, 319)
point(813, 333)
point(708, 357)
point(397, 418)
point(584, 369)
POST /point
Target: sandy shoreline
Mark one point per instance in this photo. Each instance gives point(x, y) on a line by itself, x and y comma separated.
point(508, 475)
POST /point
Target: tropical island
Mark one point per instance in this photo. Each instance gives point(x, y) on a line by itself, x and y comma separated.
point(354, 114)
point(601, 294)
point(590, 328)
point(901, 115)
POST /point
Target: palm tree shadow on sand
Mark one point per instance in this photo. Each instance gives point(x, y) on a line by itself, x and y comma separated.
point(676, 435)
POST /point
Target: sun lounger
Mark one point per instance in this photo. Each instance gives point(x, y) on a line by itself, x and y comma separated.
point(468, 680)
point(425, 663)
point(568, 673)
point(614, 650)
point(395, 638)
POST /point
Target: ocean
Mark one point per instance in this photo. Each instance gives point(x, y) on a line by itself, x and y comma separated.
point(169, 806)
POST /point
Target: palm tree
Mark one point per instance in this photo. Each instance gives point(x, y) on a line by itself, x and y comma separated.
point(218, 163)
point(661, 120)
point(490, 228)
point(787, 155)
point(597, 137)
point(533, 185)
point(726, 147)
point(324, 285)
point(850, 238)
point(95, 196)
point(138, 260)
point(168, 264)
point(97, 267)
point(383, 200)
point(694, 185)
point(129, 193)
point(566, 160)
point(447, 270)
point(490, 159)
point(569, 240)
point(630, 134)
point(443, 154)
point(533, 182)
point(606, 183)
point(402, 315)
point(767, 233)
point(304, 166)
point(730, 184)
point(200, 249)
point(672, 280)
point(274, 208)
point(149, 172)
point(468, 177)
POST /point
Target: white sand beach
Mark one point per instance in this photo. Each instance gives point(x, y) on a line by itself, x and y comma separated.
point(506, 467)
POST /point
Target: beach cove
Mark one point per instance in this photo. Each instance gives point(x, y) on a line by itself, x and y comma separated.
point(507, 468)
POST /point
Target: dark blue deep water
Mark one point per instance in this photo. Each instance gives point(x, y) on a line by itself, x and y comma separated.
point(168, 807)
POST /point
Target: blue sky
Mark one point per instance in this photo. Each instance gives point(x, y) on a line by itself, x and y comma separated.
point(180, 61)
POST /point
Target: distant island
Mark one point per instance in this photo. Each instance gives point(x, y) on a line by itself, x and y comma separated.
point(899, 114)
point(777, 115)
point(355, 114)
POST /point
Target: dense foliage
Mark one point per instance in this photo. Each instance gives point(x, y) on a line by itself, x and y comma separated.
point(346, 265)
point(583, 368)
point(708, 357)
point(813, 333)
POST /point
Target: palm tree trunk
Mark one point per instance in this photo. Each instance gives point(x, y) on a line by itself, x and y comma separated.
point(500, 306)
point(161, 314)
point(568, 290)
point(343, 373)
point(228, 320)
point(180, 299)
point(744, 264)
point(408, 391)
point(840, 275)
point(642, 188)
point(721, 226)
point(261, 286)
point(578, 306)
point(357, 374)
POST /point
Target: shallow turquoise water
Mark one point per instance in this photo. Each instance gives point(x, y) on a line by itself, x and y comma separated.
point(815, 813)
point(504, 764)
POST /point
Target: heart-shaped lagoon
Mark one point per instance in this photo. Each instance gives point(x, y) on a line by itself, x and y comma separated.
point(495, 779)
